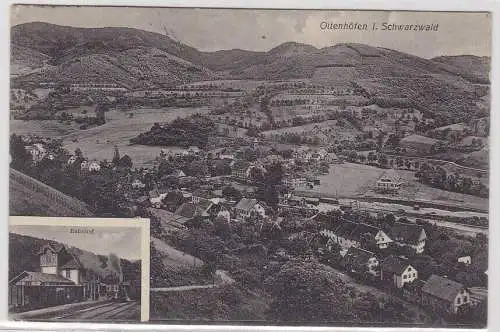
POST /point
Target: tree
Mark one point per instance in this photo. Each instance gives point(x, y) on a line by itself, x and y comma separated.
point(21, 159)
point(116, 156)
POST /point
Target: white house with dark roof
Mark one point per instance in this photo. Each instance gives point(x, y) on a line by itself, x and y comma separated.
point(409, 235)
point(398, 270)
point(247, 206)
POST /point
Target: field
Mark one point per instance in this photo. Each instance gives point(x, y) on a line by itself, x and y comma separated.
point(328, 127)
point(44, 128)
point(346, 180)
point(99, 142)
point(414, 190)
point(351, 180)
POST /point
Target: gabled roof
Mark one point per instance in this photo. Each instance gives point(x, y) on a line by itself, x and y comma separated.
point(390, 175)
point(394, 264)
point(362, 229)
point(178, 173)
point(345, 228)
point(246, 204)
point(42, 278)
point(73, 263)
point(54, 247)
point(408, 233)
point(442, 288)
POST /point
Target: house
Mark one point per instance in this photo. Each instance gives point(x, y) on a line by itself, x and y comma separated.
point(361, 261)
point(389, 182)
point(168, 221)
point(409, 235)
point(397, 270)
point(241, 169)
point(71, 160)
point(350, 234)
point(138, 184)
point(294, 181)
point(61, 279)
point(191, 151)
point(156, 198)
point(84, 165)
point(177, 173)
point(444, 295)
point(332, 158)
point(200, 194)
point(418, 143)
point(465, 259)
point(37, 151)
point(94, 166)
point(247, 206)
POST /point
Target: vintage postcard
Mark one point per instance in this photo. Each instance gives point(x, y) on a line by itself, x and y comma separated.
point(298, 167)
point(78, 269)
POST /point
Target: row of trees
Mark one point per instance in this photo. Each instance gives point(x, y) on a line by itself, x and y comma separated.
point(438, 177)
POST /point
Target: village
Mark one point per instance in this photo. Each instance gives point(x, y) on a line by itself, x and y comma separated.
point(337, 184)
point(193, 188)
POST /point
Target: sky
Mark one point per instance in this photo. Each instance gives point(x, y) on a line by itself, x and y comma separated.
point(260, 30)
point(125, 242)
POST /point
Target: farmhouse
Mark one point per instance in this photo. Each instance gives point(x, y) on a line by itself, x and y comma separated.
point(247, 206)
point(445, 295)
point(62, 279)
point(397, 270)
point(241, 169)
point(409, 235)
point(389, 182)
point(418, 143)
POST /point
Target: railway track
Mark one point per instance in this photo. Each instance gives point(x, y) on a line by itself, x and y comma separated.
point(102, 312)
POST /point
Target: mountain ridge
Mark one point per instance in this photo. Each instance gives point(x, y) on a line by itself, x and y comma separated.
point(107, 48)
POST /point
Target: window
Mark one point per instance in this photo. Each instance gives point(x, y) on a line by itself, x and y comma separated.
point(409, 268)
point(405, 276)
point(466, 299)
point(414, 274)
point(67, 273)
point(458, 300)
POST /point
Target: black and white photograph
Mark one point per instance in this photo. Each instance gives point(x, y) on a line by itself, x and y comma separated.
point(66, 271)
point(297, 167)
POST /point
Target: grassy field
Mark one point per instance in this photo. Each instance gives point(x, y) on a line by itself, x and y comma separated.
point(414, 190)
point(45, 128)
point(99, 142)
point(350, 180)
point(347, 180)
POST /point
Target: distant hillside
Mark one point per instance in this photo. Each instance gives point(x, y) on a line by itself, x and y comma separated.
point(23, 257)
point(29, 197)
point(468, 66)
point(449, 86)
point(106, 49)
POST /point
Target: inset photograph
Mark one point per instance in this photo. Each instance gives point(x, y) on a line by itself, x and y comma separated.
point(75, 269)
